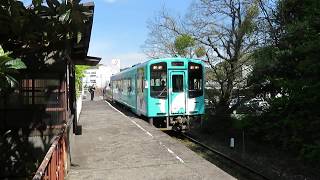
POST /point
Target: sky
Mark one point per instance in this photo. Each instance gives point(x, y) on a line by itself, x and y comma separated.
point(120, 27)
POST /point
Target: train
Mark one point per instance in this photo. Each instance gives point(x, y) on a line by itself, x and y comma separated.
point(168, 91)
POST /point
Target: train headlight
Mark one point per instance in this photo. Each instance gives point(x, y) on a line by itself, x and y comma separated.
point(196, 67)
point(191, 67)
point(157, 67)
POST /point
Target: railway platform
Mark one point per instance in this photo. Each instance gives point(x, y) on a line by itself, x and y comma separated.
point(116, 146)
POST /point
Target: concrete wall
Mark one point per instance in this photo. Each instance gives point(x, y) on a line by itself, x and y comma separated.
point(79, 106)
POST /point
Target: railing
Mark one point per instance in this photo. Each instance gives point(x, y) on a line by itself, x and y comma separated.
point(53, 165)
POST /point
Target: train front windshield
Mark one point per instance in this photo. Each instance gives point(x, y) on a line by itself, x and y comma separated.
point(195, 80)
point(158, 80)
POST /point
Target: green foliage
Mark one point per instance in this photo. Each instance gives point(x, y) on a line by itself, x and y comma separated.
point(8, 67)
point(80, 69)
point(182, 43)
point(291, 70)
point(200, 51)
point(42, 33)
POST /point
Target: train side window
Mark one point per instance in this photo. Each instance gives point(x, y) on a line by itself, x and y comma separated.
point(140, 80)
point(195, 80)
point(125, 86)
point(129, 85)
point(142, 83)
point(121, 85)
point(177, 83)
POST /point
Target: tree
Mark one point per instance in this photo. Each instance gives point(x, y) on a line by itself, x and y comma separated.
point(160, 42)
point(288, 69)
point(42, 33)
point(79, 74)
point(183, 44)
point(224, 32)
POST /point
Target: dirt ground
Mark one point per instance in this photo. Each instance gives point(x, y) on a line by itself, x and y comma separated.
point(265, 158)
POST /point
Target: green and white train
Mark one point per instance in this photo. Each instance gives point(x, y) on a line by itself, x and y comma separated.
point(167, 91)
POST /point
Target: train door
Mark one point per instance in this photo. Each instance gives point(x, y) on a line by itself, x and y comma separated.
point(177, 94)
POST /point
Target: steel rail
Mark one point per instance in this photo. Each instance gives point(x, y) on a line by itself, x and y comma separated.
point(225, 157)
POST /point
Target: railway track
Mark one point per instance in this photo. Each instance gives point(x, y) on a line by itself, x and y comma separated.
point(241, 171)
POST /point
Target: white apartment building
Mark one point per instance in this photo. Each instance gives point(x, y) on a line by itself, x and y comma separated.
point(100, 74)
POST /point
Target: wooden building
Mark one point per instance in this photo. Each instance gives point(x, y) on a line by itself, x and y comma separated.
point(41, 112)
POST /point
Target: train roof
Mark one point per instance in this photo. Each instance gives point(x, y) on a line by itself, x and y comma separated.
point(156, 60)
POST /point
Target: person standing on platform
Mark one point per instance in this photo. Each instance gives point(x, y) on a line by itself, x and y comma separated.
point(91, 90)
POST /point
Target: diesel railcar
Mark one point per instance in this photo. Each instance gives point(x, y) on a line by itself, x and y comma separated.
point(167, 91)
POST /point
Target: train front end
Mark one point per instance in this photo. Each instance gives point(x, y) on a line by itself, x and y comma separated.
point(176, 92)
